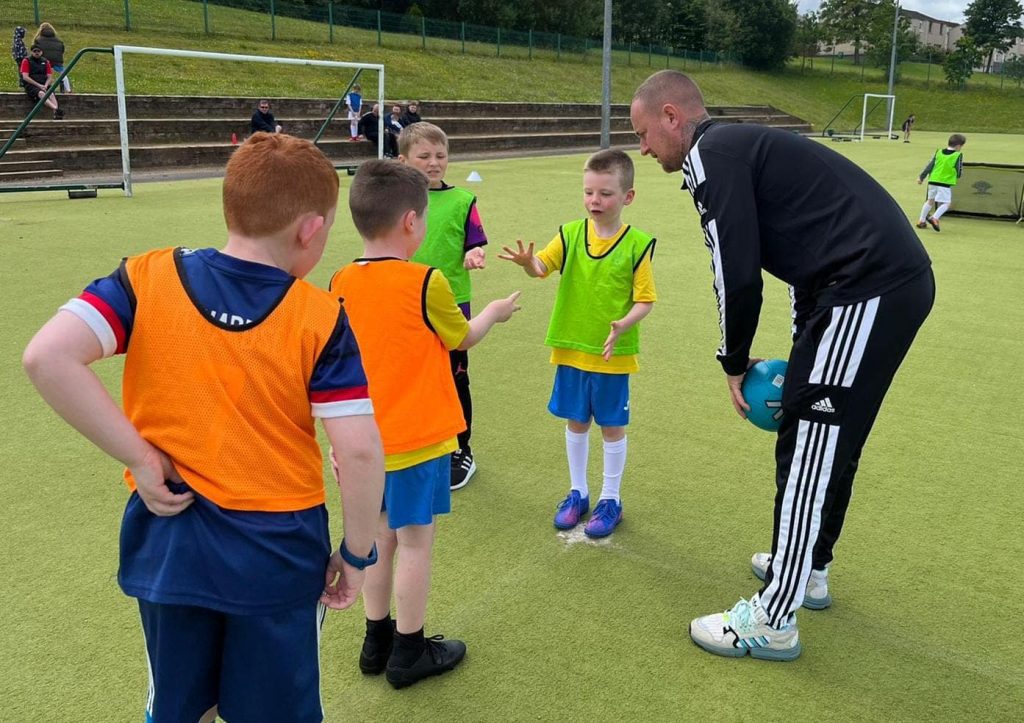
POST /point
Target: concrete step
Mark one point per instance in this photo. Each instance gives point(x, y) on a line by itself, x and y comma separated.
point(27, 165)
point(29, 175)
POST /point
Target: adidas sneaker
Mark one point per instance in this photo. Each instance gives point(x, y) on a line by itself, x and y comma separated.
point(744, 630)
point(816, 596)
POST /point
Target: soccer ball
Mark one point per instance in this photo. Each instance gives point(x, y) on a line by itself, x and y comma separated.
point(762, 388)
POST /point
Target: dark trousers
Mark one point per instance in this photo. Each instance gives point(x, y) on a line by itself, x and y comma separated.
point(460, 373)
point(843, 360)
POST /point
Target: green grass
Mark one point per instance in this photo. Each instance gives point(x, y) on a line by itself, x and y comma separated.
point(925, 581)
point(442, 72)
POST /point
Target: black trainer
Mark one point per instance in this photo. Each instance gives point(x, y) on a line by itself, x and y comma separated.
point(439, 656)
point(463, 467)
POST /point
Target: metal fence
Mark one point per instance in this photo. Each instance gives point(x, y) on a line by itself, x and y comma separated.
point(283, 20)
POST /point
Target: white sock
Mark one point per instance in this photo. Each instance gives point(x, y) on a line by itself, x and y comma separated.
point(614, 463)
point(942, 209)
point(925, 211)
point(577, 449)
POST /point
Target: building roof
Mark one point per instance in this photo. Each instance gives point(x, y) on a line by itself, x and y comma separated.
point(914, 15)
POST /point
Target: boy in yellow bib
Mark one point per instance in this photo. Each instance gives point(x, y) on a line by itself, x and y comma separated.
point(607, 287)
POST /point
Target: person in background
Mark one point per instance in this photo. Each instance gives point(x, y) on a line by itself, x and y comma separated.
point(942, 172)
point(354, 102)
point(369, 125)
point(263, 119)
point(412, 114)
point(908, 125)
point(36, 74)
point(19, 52)
point(392, 129)
point(53, 50)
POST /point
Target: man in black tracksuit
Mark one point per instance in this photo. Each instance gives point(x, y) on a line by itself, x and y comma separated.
point(861, 285)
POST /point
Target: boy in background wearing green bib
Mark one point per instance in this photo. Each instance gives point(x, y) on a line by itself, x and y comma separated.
point(454, 244)
point(606, 288)
point(942, 172)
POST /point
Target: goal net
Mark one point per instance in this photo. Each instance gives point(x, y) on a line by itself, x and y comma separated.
point(312, 129)
point(863, 116)
point(990, 190)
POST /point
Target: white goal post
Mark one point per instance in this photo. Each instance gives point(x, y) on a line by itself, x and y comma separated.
point(122, 107)
point(864, 113)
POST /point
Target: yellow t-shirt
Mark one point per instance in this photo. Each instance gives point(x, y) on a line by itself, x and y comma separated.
point(452, 327)
point(643, 291)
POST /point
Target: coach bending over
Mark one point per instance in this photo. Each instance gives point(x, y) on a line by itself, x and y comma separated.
point(861, 285)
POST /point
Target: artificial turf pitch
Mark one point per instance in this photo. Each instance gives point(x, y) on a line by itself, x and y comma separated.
point(926, 581)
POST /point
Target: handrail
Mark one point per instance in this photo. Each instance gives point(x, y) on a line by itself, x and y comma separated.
point(337, 106)
point(49, 91)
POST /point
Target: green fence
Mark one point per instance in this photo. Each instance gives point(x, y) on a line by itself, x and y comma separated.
point(324, 22)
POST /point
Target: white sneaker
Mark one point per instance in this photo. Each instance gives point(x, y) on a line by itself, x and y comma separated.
point(815, 598)
point(743, 630)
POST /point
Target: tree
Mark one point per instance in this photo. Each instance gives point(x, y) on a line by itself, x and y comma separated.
point(994, 25)
point(808, 36)
point(879, 36)
point(847, 20)
point(959, 65)
point(763, 32)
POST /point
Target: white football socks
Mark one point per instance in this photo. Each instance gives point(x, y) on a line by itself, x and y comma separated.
point(925, 210)
point(942, 209)
point(614, 463)
point(577, 449)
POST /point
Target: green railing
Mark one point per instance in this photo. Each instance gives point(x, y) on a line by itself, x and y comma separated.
point(290, 21)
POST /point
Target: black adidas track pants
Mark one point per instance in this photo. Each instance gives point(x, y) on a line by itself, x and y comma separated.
point(842, 363)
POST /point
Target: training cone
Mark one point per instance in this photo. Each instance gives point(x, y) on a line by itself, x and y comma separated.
point(234, 139)
point(474, 177)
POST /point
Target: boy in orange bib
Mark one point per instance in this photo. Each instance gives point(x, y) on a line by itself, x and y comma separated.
point(406, 319)
point(230, 357)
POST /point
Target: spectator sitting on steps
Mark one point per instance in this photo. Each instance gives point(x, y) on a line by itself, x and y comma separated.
point(392, 129)
point(412, 114)
point(263, 119)
point(37, 73)
point(368, 125)
point(53, 50)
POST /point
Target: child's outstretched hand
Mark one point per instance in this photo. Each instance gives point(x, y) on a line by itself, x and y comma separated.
point(505, 308)
point(475, 258)
point(920, 181)
point(523, 256)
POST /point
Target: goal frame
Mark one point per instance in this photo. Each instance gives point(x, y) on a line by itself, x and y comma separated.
point(864, 113)
point(122, 106)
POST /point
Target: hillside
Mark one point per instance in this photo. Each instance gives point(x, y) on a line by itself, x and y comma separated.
point(442, 71)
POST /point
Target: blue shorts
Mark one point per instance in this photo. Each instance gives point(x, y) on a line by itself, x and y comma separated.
point(412, 496)
point(252, 667)
point(580, 395)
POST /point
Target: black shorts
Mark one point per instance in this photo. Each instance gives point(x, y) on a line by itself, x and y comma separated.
point(32, 92)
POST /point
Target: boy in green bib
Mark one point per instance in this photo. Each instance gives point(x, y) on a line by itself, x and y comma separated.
point(942, 172)
point(606, 288)
point(454, 244)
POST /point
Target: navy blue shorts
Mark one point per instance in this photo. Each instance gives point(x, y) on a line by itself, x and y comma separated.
point(580, 395)
point(252, 667)
point(412, 496)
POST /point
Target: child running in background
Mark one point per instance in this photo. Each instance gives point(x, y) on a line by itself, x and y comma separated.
point(942, 172)
point(406, 319)
point(606, 288)
point(230, 357)
point(454, 244)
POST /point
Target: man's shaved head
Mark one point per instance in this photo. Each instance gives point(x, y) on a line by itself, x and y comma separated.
point(665, 112)
point(670, 86)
